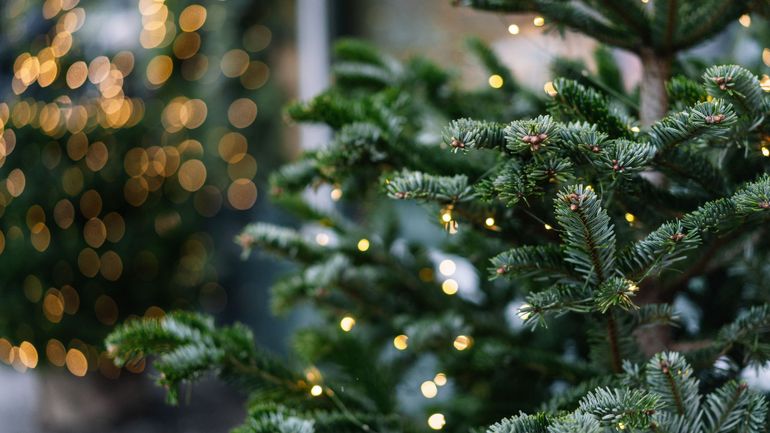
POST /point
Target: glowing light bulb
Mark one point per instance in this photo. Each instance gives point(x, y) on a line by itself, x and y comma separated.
point(446, 216)
point(347, 323)
point(336, 194)
point(745, 20)
point(538, 21)
point(316, 390)
point(764, 83)
point(495, 81)
point(630, 217)
point(363, 245)
point(462, 342)
point(547, 226)
point(449, 286)
point(440, 379)
point(401, 342)
point(447, 267)
point(489, 222)
point(429, 389)
point(765, 151)
point(322, 239)
point(550, 89)
point(436, 421)
point(635, 129)
point(513, 29)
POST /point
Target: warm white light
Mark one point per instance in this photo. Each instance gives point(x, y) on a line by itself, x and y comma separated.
point(316, 390)
point(322, 239)
point(347, 323)
point(363, 245)
point(447, 267)
point(495, 81)
point(428, 389)
point(549, 89)
point(513, 29)
point(449, 286)
point(538, 21)
point(765, 151)
point(436, 421)
point(489, 222)
point(336, 194)
point(401, 342)
point(745, 20)
point(440, 379)
point(462, 342)
point(630, 217)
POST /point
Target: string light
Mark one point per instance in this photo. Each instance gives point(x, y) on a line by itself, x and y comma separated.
point(446, 216)
point(322, 239)
point(347, 323)
point(538, 21)
point(630, 217)
point(495, 81)
point(401, 342)
point(489, 222)
point(635, 129)
point(547, 226)
point(745, 20)
point(440, 379)
point(550, 89)
point(765, 151)
point(363, 245)
point(462, 342)
point(447, 267)
point(316, 390)
point(449, 286)
point(513, 29)
point(436, 421)
point(336, 194)
point(428, 389)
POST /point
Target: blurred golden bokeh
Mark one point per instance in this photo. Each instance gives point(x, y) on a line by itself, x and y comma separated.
point(242, 113)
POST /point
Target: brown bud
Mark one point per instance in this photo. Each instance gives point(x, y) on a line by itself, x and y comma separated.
point(764, 204)
point(676, 237)
point(400, 195)
point(595, 149)
point(542, 136)
point(573, 207)
point(457, 144)
point(500, 270)
point(717, 118)
point(527, 138)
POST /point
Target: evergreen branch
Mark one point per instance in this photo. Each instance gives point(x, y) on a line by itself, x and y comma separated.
point(670, 376)
point(280, 241)
point(615, 292)
point(733, 407)
point(422, 186)
point(659, 250)
point(587, 233)
point(464, 134)
point(736, 85)
point(577, 422)
point(617, 408)
point(521, 423)
point(531, 135)
point(705, 119)
point(573, 101)
point(557, 300)
point(539, 262)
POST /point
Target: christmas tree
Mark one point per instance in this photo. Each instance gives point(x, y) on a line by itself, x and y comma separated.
point(604, 266)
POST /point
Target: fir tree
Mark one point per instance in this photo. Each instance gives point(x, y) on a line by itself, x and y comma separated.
point(591, 221)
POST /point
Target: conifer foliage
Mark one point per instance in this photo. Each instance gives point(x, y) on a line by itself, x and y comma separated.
point(598, 238)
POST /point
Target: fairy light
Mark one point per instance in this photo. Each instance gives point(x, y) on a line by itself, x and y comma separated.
point(495, 81)
point(347, 323)
point(335, 194)
point(513, 29)
point(766, 56)
point(446, 216)
point(765, 151)
point(538, 21)
point(635, 129)
point(449, 286)
point(436, 421)
point(489, 222)
point(447, 267)
point(322, 239)
point(316, 390)
point(547, 226)
point(428, 389)
point(363, 245)
point(462, 342)
point(440, 379)
point(630, 217)
point(401, 342)
point(550, 89)
point(745, 20)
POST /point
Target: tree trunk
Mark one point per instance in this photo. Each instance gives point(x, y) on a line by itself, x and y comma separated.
point(656, 69)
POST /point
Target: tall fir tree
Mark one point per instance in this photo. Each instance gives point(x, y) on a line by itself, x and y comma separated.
point(605, 262)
